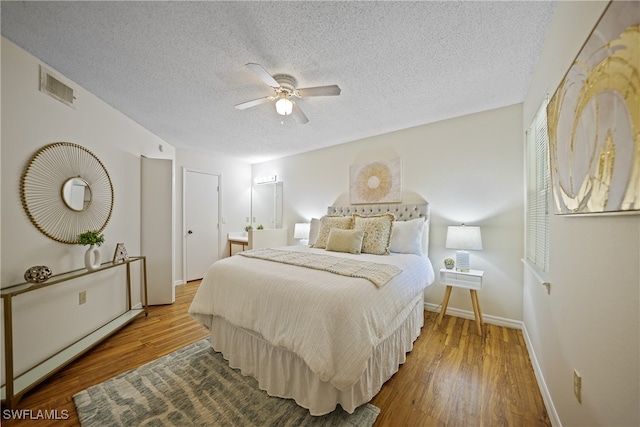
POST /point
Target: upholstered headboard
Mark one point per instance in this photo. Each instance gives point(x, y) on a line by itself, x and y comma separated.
point(401, 212)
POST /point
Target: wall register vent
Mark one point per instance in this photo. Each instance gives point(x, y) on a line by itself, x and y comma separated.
point(51, 85)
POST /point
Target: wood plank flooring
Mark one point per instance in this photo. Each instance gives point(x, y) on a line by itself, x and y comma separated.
point(452, 377)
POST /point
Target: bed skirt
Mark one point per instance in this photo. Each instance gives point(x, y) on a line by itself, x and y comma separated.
point(284, 374)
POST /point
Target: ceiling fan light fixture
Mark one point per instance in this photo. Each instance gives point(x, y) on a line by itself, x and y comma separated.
point(284, 106)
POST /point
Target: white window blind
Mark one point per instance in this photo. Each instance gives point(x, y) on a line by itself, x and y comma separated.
point(537, 151)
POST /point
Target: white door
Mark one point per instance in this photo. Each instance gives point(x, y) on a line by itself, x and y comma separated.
point(201, 218)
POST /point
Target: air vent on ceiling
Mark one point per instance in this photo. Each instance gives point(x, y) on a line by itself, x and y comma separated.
point(51, 85)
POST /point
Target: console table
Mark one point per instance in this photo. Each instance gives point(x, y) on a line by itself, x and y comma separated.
point(15, 387)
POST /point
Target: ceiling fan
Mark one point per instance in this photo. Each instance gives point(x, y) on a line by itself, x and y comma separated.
point(284, 87)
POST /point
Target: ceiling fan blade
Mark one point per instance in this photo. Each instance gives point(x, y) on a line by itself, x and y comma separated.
point(249, 104)
point(298, 114)
point(331, 90)
point(259, 71)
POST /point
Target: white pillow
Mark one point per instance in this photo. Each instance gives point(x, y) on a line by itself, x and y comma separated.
point(406, 237)
point(314, 229)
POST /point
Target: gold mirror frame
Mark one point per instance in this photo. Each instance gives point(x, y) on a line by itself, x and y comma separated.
point(50, 168)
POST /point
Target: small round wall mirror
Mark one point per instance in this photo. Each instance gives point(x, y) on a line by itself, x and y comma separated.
point(65, 191)
point(76, 194)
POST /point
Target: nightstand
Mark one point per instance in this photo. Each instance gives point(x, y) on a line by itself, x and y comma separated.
point(471, 280)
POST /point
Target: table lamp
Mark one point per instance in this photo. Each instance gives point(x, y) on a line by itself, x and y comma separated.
point(301, 231)
point(463, 238)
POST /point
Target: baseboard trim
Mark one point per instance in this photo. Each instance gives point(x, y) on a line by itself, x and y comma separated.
point(542, 385)
point(465, 314)
point(178, 283)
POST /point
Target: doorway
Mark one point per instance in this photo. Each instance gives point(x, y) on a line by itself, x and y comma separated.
point(201, 222)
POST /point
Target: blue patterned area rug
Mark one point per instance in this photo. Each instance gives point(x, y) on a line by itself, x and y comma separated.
point(195, 386)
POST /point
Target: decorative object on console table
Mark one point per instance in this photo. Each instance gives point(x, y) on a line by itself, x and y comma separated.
point(301, 231)
point(471, 280)
point(37, 274)
point(92, 256)
point(120, 253)
point(463, 238)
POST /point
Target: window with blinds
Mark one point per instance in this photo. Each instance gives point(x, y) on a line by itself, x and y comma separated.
point(537, 220)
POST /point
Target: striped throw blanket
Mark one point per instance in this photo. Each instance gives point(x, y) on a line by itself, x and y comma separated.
point(377, 273)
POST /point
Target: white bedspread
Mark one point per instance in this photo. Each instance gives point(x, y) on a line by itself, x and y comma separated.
point(331, 321)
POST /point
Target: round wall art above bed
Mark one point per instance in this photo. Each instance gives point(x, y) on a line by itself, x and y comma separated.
point(65, 191)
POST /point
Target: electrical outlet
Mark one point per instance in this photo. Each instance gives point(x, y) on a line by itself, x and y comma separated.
point(82, 297)
point(577, 385)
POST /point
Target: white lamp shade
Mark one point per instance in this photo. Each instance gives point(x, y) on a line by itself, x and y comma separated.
point(284, 107)
point(301, 230)
point(464, 237)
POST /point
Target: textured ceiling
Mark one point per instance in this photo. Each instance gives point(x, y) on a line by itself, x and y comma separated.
point(178, 68)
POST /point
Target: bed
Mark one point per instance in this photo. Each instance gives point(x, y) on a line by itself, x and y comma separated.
point(323, 324)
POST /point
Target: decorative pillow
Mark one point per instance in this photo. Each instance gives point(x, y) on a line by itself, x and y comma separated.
point(328, 222)
point(377, 232)
point(345, 240)
point(314, 228)
point(406, 237)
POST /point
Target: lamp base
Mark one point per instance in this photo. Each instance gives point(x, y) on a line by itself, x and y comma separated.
point(462, 261)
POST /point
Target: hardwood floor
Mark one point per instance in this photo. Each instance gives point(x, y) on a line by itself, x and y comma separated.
point(452, 377)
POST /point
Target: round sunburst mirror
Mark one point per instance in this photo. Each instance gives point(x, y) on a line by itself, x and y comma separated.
point(65, 191)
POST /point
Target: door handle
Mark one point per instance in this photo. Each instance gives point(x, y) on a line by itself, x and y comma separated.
point(190, 232)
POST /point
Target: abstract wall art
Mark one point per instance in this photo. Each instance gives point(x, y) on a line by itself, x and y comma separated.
point(377, 182)
point(594, 120)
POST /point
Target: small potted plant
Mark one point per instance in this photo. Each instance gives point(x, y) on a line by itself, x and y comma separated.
point(248, 228)
point(92, 257)
point(260, 227)
point(91, 238)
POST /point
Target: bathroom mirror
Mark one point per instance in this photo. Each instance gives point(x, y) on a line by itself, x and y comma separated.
point(65, 191)
point(266, 205)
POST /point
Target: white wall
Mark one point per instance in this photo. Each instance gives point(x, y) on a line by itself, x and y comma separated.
point(236, 197)
point(49, 319)
point(589, 321)
point(468, 168)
